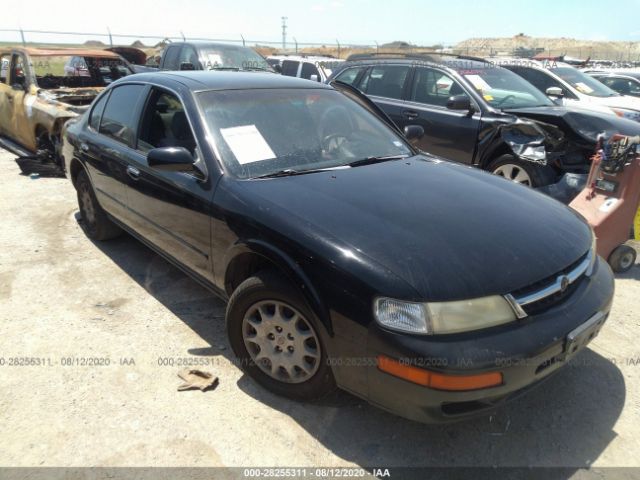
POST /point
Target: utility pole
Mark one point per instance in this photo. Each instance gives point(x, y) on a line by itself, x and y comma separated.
point(284, 33)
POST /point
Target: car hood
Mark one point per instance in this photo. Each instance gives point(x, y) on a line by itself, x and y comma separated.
point(587, 124)
point(622, 101)
point(450, 231)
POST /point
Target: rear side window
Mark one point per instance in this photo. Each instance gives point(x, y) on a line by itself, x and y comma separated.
point(171, 58)
point(119, 120)
point(309, 69)
point(349, 75)
point(385, 81)
point(290, 68)
point(96, 112)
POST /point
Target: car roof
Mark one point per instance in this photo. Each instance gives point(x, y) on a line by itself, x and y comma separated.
point(199, 80)
point(200, 43)
point(450, 61)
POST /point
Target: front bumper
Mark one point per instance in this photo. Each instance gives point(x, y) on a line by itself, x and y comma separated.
point(525, 352)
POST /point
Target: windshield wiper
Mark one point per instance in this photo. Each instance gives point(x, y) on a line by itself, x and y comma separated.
point(235, 69)
point(289, 172)
point(371, 160)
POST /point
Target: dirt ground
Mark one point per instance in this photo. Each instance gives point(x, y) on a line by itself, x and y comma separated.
point(66, 301)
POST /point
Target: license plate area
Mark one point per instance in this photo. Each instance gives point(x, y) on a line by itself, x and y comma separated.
point(579, 338)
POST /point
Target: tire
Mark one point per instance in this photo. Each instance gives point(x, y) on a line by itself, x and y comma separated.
point(523, 172)
point(622, 259)
point(251, 320)
point(95, 221)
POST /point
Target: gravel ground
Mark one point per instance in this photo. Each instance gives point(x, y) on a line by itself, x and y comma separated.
point(65, 299)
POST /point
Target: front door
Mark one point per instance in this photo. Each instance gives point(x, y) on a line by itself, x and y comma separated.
point(171, 209)
point(451, 134)
point(17, 102)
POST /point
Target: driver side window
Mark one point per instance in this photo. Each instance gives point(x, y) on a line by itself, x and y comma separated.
point(165, 124)
point(433, 87)
point(18, 75)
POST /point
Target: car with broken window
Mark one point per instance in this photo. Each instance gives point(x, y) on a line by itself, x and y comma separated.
point(40, 89)
point(347, 257)
point(480, 114)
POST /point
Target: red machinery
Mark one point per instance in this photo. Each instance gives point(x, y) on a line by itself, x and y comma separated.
point(611, 199)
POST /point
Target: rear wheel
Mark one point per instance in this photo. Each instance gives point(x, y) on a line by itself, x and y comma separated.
point(277, 338)
point(521, 171)
point(95, 221)
point(622, 258)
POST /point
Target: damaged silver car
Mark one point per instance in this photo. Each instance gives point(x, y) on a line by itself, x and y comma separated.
point(40, 89)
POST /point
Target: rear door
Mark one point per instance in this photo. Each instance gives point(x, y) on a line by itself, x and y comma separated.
point(387, 86)
point(107, 144)
point(451, 134)
point(171, 209)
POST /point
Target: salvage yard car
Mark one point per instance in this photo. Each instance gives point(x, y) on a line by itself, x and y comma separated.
point(347, 257)
point(211, 56)
point(40, 89)
point(567, 85)
point(625, 82)
point(479, 114)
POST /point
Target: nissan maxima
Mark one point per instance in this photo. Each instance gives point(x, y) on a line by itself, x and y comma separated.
point(348, 259)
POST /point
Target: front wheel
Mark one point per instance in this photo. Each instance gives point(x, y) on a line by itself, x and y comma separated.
point(277, 338)
point(521, 171)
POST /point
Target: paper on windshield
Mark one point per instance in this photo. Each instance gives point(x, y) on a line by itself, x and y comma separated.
point(247, 144)
point(478, 82)
point(584, 88)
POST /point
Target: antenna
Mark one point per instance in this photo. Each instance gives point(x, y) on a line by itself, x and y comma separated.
point(284, 32)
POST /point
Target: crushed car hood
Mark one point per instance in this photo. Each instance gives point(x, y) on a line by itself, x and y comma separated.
point(585, 124)
point(440, 227)
point(76, 99)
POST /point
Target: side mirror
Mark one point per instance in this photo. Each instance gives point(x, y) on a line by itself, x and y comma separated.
point(187, 66)
point(171, 159)
point(413, 132)
point(278, 68)
point(459, 102)
point(555, 92)
point(314, 78)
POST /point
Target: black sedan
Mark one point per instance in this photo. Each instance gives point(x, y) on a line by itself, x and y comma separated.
point(347, 258)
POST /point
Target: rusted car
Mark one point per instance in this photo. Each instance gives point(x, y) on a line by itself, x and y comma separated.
point(40, 89)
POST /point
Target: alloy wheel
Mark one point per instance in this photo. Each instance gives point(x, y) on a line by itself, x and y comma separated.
point(281, 341)
point(514, 173)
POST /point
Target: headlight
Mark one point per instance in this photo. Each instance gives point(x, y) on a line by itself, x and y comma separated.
point(630, 114)
point(443, 317)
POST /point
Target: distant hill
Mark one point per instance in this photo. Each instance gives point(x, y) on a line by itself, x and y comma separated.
point(551, 46)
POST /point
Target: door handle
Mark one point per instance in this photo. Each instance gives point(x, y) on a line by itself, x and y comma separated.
point(133, 172)
point(410, 114)
point(84, 147)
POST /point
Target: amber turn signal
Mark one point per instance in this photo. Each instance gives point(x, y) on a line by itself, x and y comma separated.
point(438, 381)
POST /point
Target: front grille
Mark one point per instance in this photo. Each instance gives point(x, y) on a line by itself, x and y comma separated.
point(545, 302)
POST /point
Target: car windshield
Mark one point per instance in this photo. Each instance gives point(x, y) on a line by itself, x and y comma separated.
point(77, 71)
point(503, 89)
point(583, 82)
point(262, 132)
point(232, 57)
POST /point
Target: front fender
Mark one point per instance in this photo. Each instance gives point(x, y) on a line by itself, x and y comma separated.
point(284, 263)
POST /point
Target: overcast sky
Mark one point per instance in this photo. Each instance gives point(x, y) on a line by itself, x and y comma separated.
point(351, 21)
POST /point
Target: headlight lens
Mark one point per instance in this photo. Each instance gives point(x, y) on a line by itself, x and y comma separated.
point(630, 114)
point(443, 317)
